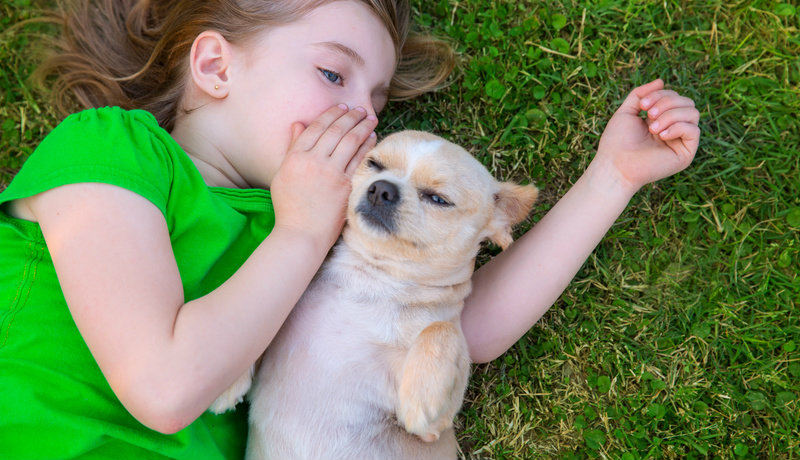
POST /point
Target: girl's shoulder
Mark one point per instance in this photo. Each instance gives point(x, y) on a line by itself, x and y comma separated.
point(109, 145)
point(110, 124)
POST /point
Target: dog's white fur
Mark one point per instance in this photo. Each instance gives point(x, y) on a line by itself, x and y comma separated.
point(372, 362)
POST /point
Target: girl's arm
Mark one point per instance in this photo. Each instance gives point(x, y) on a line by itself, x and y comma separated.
point(167, 360)
point(514, 290)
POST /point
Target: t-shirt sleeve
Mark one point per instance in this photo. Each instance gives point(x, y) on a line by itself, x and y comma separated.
point(108, 145)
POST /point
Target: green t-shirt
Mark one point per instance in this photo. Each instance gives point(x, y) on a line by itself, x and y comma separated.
point(54, 401)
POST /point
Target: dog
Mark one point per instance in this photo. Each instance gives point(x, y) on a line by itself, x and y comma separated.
point(372, 363)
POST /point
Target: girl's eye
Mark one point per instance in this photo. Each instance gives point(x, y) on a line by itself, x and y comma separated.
point(331, 76)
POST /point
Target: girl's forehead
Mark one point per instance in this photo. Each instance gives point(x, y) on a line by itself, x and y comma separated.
point(348, 17)
point(347, 28)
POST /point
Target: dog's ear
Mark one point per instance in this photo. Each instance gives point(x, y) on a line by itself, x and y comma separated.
point(512, 204)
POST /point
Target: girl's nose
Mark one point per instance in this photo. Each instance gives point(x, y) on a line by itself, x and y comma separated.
point(368, 107)
point(366, 104)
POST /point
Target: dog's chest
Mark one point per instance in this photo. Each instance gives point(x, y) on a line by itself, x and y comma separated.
point(353, 327)
point(358, 309)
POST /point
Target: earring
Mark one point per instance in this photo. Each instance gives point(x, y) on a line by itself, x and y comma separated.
point(216, 86)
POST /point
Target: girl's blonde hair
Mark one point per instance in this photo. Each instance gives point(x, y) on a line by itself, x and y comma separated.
point(133, 53)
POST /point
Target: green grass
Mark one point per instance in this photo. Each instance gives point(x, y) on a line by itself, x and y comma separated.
point(678, 338)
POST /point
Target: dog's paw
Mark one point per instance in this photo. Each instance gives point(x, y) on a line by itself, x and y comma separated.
point(426, 422)
point(234, 394)
point(434, 378)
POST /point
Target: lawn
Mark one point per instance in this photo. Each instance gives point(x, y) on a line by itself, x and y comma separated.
point(678, 338)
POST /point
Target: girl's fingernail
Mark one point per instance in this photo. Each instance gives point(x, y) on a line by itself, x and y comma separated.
point(343, 106)
point(361, 109)
point(372, 117)
point(654, 126)
point(664, 133)
point(646, 102)
point(653, 112)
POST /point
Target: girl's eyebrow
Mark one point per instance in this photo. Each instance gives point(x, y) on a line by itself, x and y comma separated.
point(345, 50)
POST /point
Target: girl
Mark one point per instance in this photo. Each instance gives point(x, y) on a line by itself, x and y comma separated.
point(149, 256)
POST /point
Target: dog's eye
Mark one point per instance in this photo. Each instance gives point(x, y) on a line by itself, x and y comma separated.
point(435, 199)
point(373, 163)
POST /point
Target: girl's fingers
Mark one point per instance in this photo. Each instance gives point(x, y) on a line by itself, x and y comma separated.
point(339, 131)
point(649, 99)
point(632, 104)
point(669, 117)
point(353, 143)
point(311, 135)
point(662, 101)
point(687, 132)
point(366, 146)
point(297, 130)
point(683, 138)
point(339, 134)
point(647, 88)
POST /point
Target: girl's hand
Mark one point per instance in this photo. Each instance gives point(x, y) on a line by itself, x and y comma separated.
point(640, 151)
point(312, 185)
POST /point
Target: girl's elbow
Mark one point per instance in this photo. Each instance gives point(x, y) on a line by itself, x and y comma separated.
point(166, 414)
point(166, 424)
point(162, 419)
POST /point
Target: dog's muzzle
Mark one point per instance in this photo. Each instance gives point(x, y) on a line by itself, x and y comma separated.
point(378, 206)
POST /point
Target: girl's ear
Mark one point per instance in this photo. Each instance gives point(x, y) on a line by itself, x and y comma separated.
point(210, 61)
point(512, 204)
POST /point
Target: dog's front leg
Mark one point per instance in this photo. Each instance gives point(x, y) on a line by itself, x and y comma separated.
point(234, 394)
point(434, 377)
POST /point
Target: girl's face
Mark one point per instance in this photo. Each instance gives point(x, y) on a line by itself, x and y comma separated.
point(338, 53)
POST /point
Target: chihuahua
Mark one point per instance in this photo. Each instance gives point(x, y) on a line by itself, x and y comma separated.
point(372, 362)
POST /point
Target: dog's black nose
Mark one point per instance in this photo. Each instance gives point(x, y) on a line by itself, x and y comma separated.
point(382, 193)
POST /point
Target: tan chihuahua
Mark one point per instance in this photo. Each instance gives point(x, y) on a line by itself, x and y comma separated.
point(372, 363)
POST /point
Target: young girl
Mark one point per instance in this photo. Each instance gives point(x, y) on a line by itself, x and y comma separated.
point(149, 256)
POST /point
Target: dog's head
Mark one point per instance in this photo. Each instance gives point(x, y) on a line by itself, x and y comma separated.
point(421, 206)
